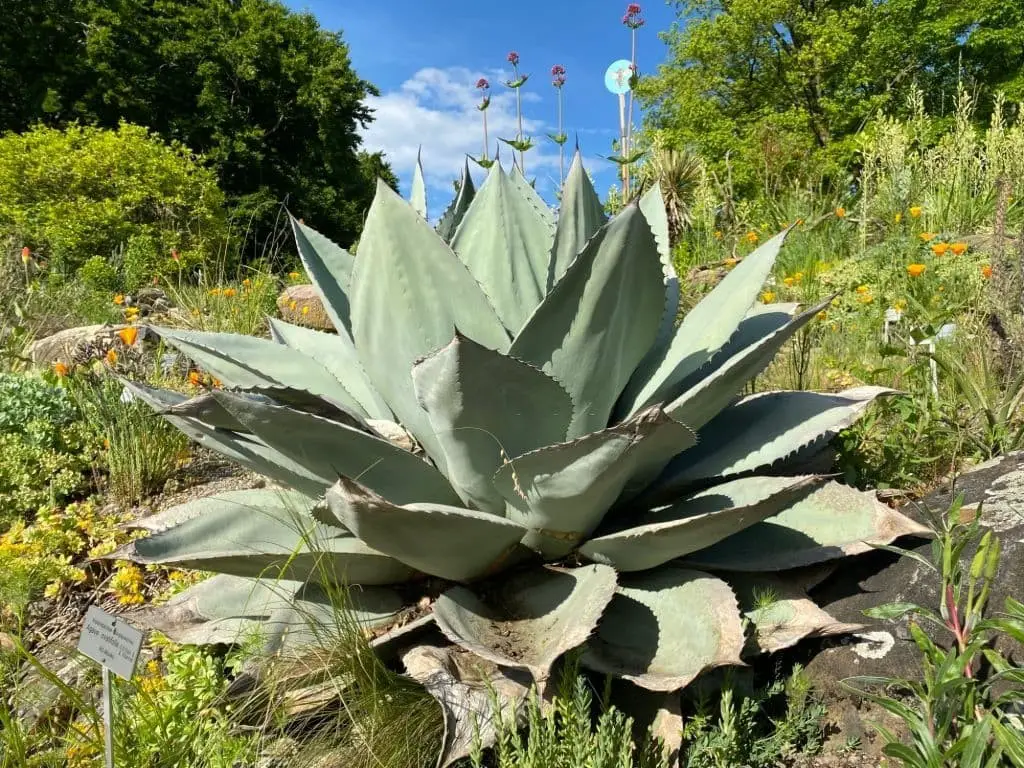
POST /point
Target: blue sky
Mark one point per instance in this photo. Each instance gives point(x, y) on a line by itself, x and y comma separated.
point(425, 58)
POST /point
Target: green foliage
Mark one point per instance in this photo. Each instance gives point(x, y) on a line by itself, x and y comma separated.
point(140, 453)
point(772, 91)
point(265, 93)
point(562, 734)
point(758, 730)
point(965, 711)
point(45, 449)
point(77, 194)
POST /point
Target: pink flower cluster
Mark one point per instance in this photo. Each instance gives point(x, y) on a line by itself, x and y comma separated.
point(513, 58)
point(558, 75)
point(482, 84)
point(632, 16)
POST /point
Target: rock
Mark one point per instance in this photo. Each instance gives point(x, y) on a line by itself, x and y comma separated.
point(40, 700)
point(885, 648)
point(80, 344)
point(301, 304)
point(7, 643)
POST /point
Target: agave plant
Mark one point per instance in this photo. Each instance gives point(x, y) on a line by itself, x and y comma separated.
point(509, 419)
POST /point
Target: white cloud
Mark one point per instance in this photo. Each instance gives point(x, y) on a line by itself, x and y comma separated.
point(437, 108)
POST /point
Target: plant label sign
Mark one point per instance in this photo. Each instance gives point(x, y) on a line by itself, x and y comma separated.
point(111, 641)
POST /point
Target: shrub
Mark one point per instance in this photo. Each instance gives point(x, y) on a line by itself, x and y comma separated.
point(75, 194)
point(45, 450)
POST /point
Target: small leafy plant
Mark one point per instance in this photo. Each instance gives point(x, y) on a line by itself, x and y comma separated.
point(965, 711)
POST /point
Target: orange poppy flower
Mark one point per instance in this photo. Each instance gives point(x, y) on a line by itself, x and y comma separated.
point(128, 335)
point(958, 248)
point(194, 378)
point(229, 292)
point(841, 212)
point(915, 211)
point(60, 369)
point(247, 282)
point(111, 356)
point(939, 249)
point(986, 271)
point(915, 270)
point(119, 299)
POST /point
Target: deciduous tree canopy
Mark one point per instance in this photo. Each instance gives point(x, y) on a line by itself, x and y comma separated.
point(265, 94)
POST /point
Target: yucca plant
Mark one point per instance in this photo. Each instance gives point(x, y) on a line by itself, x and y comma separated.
point(509, 408)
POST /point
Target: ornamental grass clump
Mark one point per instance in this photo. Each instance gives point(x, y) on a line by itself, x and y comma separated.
point(510, 439)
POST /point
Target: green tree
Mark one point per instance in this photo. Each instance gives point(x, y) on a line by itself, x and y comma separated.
point(263, 93)
point(781, 87)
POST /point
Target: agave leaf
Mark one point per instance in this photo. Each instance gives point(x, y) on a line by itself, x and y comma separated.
point(652, 206)
point(418, 196)
point(328, 449)
point(476, 696)
point(591, 330)
point(445, 541)
point(831, 522)
point(782, 613)
point(531, 619)
point(276, 541)
point(703, 331)
point(762, 429)
point(250, 363)
point(505, 243)
point(330, 267)
point(562, 492)
point(697, 406)
point(580, 217)
point(664, 627)
point(530, 193)
point(253, 498)
point(338, 355)
point(485, 407)
point(456, 211)
point(206, 409)
point(247, 450)
point(696, 522)
point(409, 293)
point(284, 614)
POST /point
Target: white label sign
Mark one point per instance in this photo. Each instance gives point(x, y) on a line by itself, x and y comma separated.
point(111, 641)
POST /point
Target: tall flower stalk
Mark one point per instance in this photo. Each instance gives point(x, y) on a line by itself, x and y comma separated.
point(632, 21)
point(520, 143)
point(558, 80)
point(485, 90)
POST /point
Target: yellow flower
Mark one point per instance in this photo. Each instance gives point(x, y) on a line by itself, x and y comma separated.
point(915, 270)
point(293, 275)
point(305, 310)
point(986, 271)
point(866, 298)
point(111, 356)
point(60, 369)
point(939, 249)
point(958, 248)
point(898, 217)
point(822, 315)
point(292, 304)
point(718, 234)
point(767, 297)
point(799, 276)
point(215, 291)
point(915, 211)
point(862, 289)
point(194, 378)
point(128, 335)
point(752, 237)
point(229, 292)
point(730, 262)
point(119, 298)
point(247, 282)
point(131, 313)
point(900, 304)
point(788, 280)
point(841, 212)
point(926, 236)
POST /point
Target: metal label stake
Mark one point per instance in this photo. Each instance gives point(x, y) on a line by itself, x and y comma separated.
point(114, 644)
